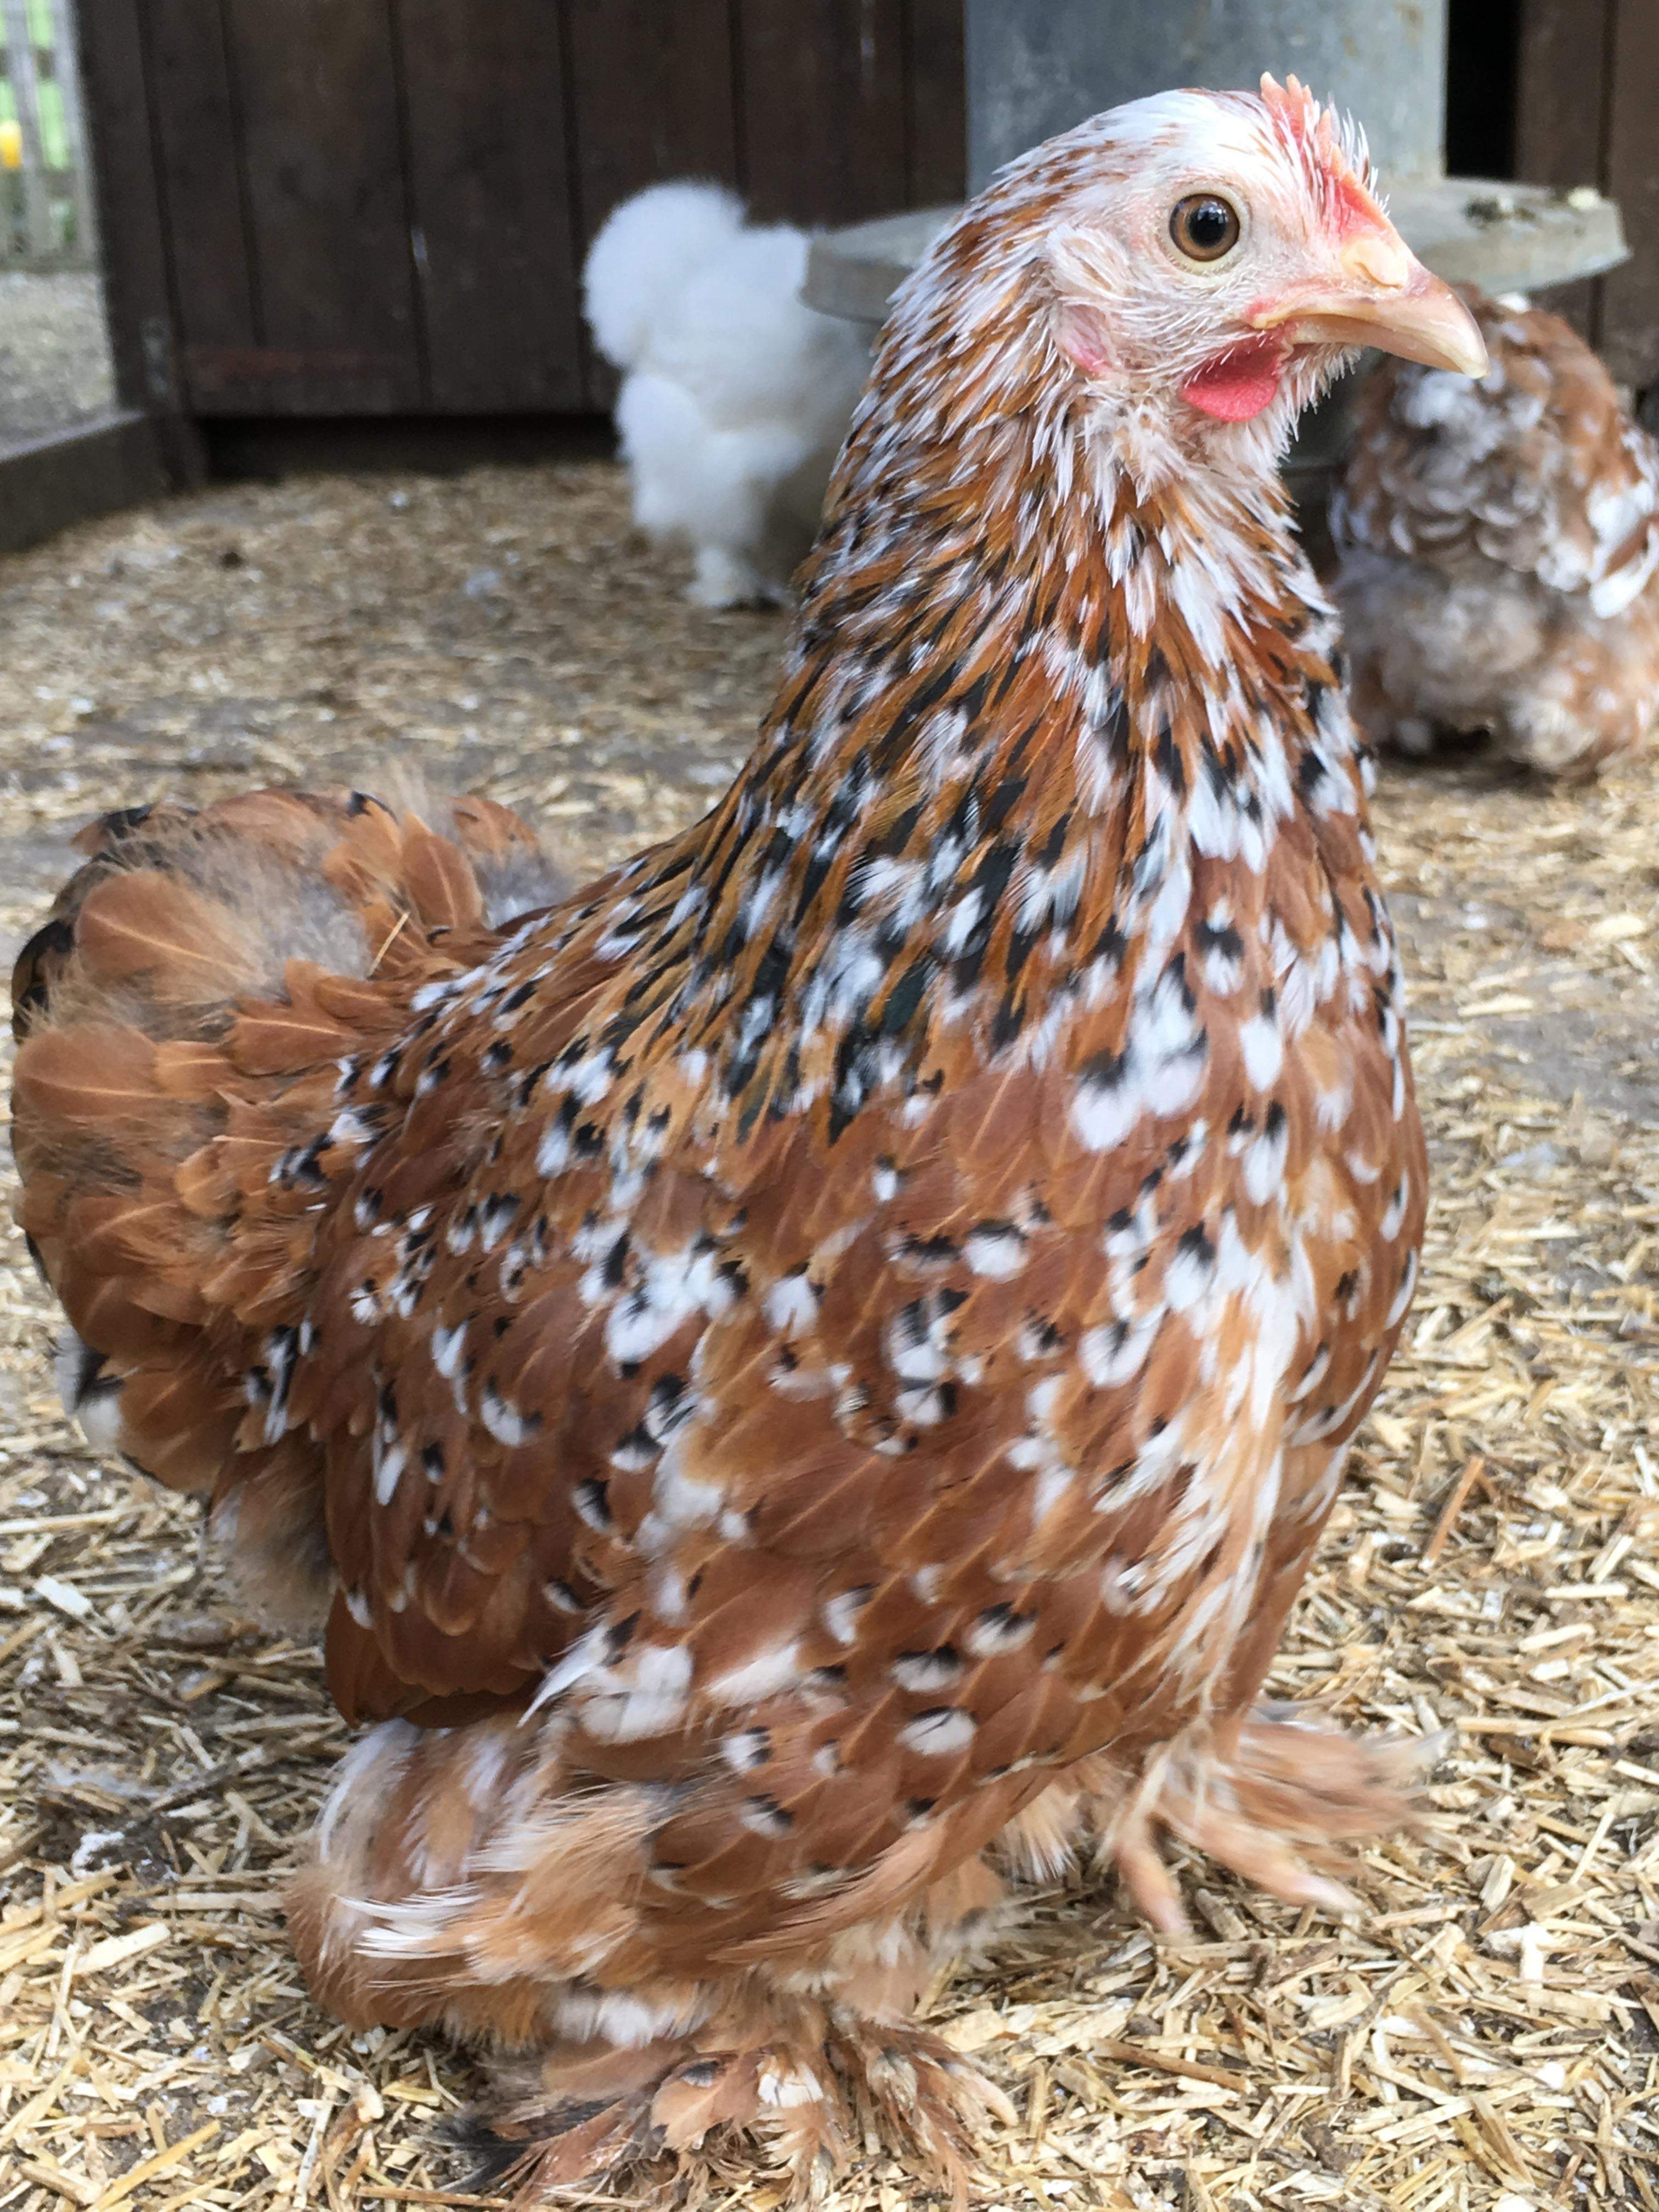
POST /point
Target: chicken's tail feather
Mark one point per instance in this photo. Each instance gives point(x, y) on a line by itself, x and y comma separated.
point(180, 1018)
point(646, 251)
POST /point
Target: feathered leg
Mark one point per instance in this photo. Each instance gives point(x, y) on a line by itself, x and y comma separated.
point(812, 2092)
point(1275, 1792)
point(1262, 1788)
point(464, 1876)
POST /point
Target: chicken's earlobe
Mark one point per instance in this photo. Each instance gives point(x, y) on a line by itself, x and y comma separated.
point(1081, 337)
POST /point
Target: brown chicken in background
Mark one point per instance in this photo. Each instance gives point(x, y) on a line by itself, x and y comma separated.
point(806, 1376)
point(1499, 551)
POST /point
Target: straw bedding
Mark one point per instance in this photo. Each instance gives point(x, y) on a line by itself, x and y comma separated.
point(1487, 2038)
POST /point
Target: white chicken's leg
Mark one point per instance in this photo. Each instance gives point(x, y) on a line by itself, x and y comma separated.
point(728, 578)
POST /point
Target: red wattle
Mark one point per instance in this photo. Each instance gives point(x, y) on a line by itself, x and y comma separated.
point(1238, 384)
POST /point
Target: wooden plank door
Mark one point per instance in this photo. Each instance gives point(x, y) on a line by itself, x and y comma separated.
point(381, 206)
point(327, 211)
point(1629, 324)
point(222, 344)
point(1558, 135)
point(493, 237)
point(651, 97)
point(1587, 95)
point(824, 109)
point(936, 119)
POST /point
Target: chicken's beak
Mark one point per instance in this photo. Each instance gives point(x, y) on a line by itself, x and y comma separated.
point(1380, 295)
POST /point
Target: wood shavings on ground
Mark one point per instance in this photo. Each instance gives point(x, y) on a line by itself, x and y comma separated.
point(1487, 2040)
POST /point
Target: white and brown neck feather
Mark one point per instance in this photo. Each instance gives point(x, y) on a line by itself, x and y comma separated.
point(1028, 687)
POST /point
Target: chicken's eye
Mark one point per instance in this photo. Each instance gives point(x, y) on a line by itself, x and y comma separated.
point(1205, 226)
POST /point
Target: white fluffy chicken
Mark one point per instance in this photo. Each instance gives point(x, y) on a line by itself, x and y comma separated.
point(1499, 545)
point(735, 396)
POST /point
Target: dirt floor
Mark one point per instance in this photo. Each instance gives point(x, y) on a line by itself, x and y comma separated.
point(1486, 2039)
point(54, 353)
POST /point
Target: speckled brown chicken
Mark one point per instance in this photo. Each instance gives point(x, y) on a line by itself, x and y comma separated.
point(1499, 548)
point(807, 1376)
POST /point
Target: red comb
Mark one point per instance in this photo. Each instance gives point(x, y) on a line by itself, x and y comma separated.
point(1332, 151)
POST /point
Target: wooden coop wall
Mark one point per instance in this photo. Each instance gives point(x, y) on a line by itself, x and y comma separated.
point(1587, 98)
point(380, 207)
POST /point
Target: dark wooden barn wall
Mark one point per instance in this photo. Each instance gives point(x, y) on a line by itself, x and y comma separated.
point(347, 207)
point(1586, 112)
point(351, 207)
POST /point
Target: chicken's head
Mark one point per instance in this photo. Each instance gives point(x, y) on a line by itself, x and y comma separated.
point(1200, 259)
